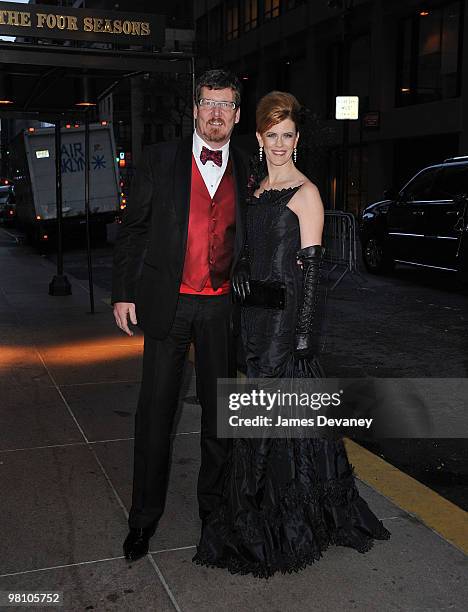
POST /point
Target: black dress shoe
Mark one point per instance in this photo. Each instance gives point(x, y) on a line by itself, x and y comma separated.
point(136, 544)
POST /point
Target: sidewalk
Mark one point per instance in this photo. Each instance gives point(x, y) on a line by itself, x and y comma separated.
point(68, 389)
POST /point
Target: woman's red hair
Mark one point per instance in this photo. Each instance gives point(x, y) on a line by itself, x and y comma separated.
point(275, 107)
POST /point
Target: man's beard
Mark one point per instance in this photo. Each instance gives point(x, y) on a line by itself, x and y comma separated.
point(216, 133)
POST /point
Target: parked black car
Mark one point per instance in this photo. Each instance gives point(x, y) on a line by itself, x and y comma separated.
point(425, 224)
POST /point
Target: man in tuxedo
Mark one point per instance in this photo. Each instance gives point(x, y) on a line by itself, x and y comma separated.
point(181, 235)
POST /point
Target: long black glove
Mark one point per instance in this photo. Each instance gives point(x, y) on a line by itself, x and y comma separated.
point(241, 276)
point(311, 258)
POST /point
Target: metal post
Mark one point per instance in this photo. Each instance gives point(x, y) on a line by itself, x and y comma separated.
point(4, 140)
point(348, 7)
point(88, 228)
point(60, 284)
point(360, 165)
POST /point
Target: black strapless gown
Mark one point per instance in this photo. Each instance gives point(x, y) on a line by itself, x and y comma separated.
point(285, 500)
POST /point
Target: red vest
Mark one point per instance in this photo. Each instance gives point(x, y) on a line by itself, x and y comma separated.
point(211, 233)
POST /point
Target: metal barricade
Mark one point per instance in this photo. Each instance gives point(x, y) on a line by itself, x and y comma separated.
point(339, 240)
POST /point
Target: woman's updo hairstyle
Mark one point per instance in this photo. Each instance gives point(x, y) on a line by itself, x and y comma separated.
point(275, 107)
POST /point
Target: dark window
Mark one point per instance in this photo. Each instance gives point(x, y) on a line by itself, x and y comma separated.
point(420, 188)
point(250, 15)
point(202, 29)
point(450, 44)
point(147, 102)
point(333, 76)
point(359, 70)
point(216, 26)
point(290, 4)
point(123, 131)
point(271, 9)
point(159, 135)
point(232, 21)
point(406, 69)
point(429, 64)
point(147, 134)
point(297, 84)
point(451, 182)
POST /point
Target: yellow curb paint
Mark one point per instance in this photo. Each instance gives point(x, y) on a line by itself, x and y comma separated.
point(436, 512)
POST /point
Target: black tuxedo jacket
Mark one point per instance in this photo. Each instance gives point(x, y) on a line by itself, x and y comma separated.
point(150, 250)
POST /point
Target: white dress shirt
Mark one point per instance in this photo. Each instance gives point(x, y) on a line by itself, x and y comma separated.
point(211, 173)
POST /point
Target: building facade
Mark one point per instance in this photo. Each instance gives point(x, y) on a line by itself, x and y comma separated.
point(404, 59)
point(144, 108)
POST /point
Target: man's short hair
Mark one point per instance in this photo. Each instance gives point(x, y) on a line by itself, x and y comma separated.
point(218, 79)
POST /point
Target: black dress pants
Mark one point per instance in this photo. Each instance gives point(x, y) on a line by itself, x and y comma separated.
point(205, 320)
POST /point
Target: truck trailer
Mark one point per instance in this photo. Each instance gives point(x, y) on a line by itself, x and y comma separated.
point(33, 160)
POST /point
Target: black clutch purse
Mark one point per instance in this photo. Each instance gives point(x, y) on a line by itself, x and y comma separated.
point(265, 294)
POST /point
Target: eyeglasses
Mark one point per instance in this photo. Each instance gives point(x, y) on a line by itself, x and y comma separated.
point(210, 104)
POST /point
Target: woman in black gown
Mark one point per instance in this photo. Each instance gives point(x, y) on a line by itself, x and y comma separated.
point(285, 500)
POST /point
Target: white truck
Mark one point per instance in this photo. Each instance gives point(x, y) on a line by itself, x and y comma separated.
point(33, 160)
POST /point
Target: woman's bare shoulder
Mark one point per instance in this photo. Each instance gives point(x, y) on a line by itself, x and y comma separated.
point(307, 196)
point(308, 188)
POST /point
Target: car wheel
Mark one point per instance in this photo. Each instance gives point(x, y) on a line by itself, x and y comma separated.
point(375, 256)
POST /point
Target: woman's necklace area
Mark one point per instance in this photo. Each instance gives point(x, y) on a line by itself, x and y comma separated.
point(279, 185)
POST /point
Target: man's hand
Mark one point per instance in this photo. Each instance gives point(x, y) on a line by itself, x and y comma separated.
point(121, 311)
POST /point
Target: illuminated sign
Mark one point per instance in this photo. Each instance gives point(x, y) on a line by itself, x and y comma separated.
point(42, 154)
point(43, 21)
point(347, 107)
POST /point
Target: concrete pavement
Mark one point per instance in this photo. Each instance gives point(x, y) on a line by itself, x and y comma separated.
point(69, 383)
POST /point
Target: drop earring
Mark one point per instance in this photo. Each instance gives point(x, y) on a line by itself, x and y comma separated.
point(295, 154)
point(260, 153)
